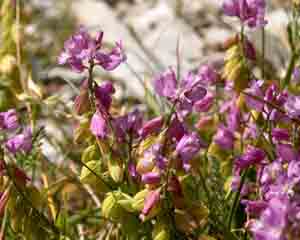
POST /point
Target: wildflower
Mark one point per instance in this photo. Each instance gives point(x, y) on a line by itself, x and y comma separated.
point(224, 138)
point(250, 12)
point(208, 75)
point(187, 148)
point(296, 75)
point(286, 152)
point(280, 134)
point(132, 170)
point(292, 106)
point(254, 208)
point(9, 120)
point(256, 91)
point(151, 178)
point(272, 222)
point(151, 158)
point(151, 127)
point(98, 125)
point(81, 102)
point(128, 125)
point(252, 156)
point(205, 104)
point(99, 120)
point(183, 95)
point(151, 201)
point(81, 50)
point(165, 84)
point(103, 95)
point(176, 129)
point(20, 142)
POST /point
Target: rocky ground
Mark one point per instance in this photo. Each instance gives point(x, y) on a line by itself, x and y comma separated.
point(151, 29)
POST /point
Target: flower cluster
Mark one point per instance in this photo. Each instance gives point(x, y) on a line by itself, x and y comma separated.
point(82, 49)
point(226, 135)
point(250, 12)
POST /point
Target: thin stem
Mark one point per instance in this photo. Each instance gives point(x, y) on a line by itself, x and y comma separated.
point(290, 70)
point(236, 199)
point(263, 39)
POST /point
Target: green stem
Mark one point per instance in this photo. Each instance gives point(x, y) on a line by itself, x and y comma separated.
point(236, 199)
point(289, 71)
point(263, 39)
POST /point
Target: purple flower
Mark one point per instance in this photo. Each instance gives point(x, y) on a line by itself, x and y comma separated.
point(273, 95)
point(208, 75)
point(255, 90)
point(296, 75)
point(292, 106)
point(151, 200)
point(280, 134)
point(272, 222)
point(81, 49)
point(205, 104)
point(9, 120)
point(98, 125)
point(128, 125)
point(250, 12)
point(183, 95)
point(113, 59)
point(103, 95)
point(151, 178)
point(132, 170)
point(252, 156)
point(176, 129)
point(224, 138)
point(254, 208)
point(188, 147)
point(151, 127)
point(249, 50)
point(286, 152)
point(21, 142)
point(165, 84)
point(233, 118)
point(151, 158)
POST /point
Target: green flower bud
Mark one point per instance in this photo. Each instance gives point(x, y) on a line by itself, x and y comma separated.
point(160, 232)
point(90, 153)
point(115, 168)
point(110, 207)
point(87, 176)
point(138, 200)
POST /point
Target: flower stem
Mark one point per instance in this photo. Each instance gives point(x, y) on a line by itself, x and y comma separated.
point(236, 199)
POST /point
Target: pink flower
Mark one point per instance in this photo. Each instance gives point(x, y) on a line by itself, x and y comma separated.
point(151, 200)
point(99, 126)
point(21, 142)
point(81, 50)
point(250, 12)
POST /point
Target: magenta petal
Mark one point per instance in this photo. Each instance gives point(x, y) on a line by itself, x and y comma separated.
point(98, 125)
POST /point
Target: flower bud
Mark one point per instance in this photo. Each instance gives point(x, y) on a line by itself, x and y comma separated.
point(145, 165)
point(81, 131)
point(235, 68)
point(160, 232)
point(87, 176)
point(151, 205)
point(81, 103)
point(139, 198)
point(110, 207)
point(115, 168)
point(126, 202)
